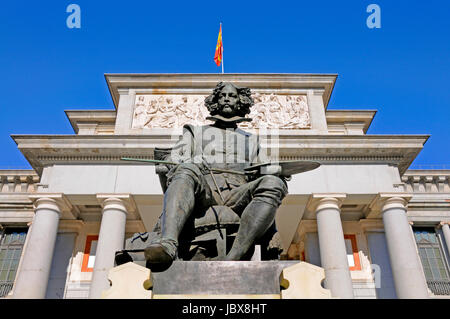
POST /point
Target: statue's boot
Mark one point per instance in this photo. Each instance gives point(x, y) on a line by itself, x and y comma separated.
point(179, 201)
point(122, 257)
point(158, 258)
point(256, 219)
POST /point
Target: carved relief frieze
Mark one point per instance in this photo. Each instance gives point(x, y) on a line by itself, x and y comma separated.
point(279, 111)
point(169, 111)
point(272, 111)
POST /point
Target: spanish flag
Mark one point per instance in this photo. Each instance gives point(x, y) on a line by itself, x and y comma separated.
point(219, 48)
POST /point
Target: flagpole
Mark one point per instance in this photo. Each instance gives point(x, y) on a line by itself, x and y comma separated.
point(222, 45)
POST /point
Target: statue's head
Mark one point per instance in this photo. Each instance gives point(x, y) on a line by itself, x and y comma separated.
point(228, 100)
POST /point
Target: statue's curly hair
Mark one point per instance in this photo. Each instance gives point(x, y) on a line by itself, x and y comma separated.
point(244, 104)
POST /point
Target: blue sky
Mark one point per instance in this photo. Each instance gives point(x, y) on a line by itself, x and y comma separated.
point(402, 69)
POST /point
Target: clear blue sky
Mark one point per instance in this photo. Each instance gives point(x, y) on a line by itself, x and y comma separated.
point(402, 69)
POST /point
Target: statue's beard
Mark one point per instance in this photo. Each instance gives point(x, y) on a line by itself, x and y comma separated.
point(228, 121)
point(228, 116)
point(228, 111)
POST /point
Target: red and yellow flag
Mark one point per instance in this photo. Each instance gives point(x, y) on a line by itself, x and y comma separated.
point(218, 54)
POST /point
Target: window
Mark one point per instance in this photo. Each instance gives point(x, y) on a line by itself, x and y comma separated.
point(352, 252)
point(433, 261)
point(90, 250)
point(11, 245)
point(89, 253)
point(430, 254)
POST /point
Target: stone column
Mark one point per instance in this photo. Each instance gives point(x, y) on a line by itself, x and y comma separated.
point(32, 279)
point(446, 231)
point(407, 271)
point(333, 253)
point(110, 240)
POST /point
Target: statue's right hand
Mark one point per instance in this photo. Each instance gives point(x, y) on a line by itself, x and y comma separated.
point(161, 169)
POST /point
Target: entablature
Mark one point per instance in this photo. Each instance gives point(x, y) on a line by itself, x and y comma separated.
point(45, 150)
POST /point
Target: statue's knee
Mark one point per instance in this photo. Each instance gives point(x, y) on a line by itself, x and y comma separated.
point(187, 167)
point(185, 179)
point(275, 183)
point(187, 172)
point(271, 190)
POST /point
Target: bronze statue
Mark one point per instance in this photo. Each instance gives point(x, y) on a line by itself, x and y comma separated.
point(211, 180)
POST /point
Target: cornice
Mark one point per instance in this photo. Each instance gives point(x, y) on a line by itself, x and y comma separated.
point(43, 150)
point(414, 138)
point(161, 82)
point(351, 116)
point(17, 172)
point(427, 172)
point(90, 116)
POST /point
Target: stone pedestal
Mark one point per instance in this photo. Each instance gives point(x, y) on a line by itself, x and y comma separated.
point(219, 280)
point(302, 281)
point(129, 281)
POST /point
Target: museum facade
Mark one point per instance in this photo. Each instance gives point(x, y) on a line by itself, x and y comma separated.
point(377, 228)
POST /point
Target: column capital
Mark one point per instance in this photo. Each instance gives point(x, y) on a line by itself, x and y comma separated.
point(384, 201)
point(54, 201)
point(319, 201)
point(121, 200)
